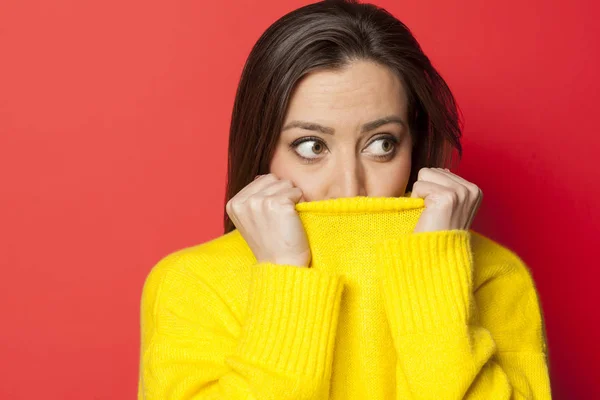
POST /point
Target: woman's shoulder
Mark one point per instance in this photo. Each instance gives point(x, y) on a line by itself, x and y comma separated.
point(219, 264)
point(197, 286)
point(484, 246)
point(492, 260)
point(229, 249)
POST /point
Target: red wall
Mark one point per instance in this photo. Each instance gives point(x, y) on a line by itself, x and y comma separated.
point(113, 134)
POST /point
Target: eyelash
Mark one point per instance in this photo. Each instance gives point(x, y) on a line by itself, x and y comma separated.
point(298, 142)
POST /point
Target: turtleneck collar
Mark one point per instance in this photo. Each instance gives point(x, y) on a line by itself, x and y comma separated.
point(352, 228)
point(358, 220)
point(361, 204)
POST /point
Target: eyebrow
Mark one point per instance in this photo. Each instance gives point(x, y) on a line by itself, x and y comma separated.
point(369, 126)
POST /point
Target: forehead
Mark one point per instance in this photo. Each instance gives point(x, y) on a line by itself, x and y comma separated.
point(362, 91)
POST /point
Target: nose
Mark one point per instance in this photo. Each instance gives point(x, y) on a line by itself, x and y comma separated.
point(348, 181)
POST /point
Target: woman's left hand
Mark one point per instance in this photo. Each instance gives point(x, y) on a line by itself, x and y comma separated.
point(451, 202)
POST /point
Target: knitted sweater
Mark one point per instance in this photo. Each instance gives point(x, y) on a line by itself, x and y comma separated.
point(382, 313)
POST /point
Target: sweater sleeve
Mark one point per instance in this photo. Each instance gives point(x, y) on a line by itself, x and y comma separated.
point(446, 346)
point(194, 347)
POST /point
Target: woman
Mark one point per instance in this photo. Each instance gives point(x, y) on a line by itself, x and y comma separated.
point(332, 280)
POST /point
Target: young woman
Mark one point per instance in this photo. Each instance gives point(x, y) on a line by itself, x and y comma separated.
point(332, 280)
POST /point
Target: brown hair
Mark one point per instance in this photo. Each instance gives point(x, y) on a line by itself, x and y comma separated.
point(329, 35)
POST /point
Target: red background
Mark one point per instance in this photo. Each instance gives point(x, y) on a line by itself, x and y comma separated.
point(113, 136)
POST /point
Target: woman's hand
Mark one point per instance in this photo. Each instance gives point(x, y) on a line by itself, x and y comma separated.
point(450, 201)
point(264, 212)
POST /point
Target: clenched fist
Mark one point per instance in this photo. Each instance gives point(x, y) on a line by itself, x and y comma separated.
point(451, 202)
point(264, 213)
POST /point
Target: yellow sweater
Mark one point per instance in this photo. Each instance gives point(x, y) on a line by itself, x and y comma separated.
point(382, 313)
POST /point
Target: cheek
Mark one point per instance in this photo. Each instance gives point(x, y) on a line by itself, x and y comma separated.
point(284, 166)
point(389, 180)
point(279, 163)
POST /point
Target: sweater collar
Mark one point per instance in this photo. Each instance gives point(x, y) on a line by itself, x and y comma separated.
point(358, 221)
point(361, 204)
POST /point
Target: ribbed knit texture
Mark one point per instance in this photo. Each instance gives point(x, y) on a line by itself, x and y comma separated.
point(382, 313)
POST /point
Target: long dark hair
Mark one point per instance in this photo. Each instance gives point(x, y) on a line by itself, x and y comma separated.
point(329, 35)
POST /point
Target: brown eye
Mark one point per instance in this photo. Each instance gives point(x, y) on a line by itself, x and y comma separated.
point(388, 147)
point(318, 148)
point(309, 148)
point(384, 147)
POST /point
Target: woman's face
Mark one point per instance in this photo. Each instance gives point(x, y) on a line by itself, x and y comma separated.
point(345, 134)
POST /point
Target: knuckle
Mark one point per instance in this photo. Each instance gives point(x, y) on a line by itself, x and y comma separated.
point(272, 202)
point(453, 197)
point(473, 191)
point(255, 202)
point(236, 207)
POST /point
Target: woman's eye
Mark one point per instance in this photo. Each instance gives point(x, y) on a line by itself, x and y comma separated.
point(310, 148)
point(383, 146)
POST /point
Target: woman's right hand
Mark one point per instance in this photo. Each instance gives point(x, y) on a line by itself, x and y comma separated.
point(264, 213)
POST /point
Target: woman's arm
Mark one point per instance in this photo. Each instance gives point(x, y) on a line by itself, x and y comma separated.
point(454, 340)
point(195, 347)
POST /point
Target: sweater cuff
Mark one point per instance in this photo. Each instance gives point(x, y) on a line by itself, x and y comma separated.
point(427, 280)
point(291, 318)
